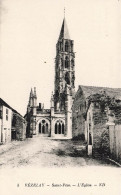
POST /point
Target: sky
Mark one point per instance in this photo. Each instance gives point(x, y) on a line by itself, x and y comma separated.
point(29, 31)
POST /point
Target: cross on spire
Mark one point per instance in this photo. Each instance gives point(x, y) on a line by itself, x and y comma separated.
point(64, 12)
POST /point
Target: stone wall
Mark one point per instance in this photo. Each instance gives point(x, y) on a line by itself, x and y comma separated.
point(99, 130)
point(100, 140)
point(78, 114)
point(99, 120)
point(115, 111)
point(19, 127)
point(105, 109)
point(115, 142)
point(114, 124)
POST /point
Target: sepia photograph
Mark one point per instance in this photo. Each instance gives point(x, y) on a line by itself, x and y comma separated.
point(60, 97)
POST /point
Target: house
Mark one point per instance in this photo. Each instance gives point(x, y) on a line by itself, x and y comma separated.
point(12, 124)
point(5, 122)
point(81, 104)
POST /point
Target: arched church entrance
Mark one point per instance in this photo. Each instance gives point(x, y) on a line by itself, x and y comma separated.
point(44, 127)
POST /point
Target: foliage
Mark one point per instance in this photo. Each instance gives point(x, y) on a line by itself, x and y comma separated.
point(104, 146)
point(79, 137)
point(104, 101)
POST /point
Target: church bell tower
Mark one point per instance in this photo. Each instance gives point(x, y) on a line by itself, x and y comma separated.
point(64, 68)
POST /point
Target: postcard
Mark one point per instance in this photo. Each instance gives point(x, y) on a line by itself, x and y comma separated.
point(60, 97)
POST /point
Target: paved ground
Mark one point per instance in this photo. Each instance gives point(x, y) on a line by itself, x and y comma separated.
point(45, 152)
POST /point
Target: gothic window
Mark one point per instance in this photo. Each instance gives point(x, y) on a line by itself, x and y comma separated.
point(61, 62)
point(66, 62)
point(72, 63)
point(73, 78)
point(67, 79)
point(66, 46)
point(72, 46)
point(59, 127)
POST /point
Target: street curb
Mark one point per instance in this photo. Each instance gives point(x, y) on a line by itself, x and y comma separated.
point(113, 161)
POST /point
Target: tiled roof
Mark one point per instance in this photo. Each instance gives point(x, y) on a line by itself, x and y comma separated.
point(2, 102)
point(90, 90)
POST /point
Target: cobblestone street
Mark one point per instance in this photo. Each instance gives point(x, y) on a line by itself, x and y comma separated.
point(45, 152)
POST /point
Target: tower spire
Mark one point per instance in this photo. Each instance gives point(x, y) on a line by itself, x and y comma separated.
point(64, 33)
point(31, 93)
point(31, 98)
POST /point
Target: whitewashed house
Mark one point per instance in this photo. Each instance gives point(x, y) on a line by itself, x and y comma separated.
point(5, 122)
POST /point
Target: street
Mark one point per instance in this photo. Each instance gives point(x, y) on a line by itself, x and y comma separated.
point(45, 152)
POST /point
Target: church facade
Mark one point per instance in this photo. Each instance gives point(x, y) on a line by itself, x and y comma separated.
point(56, 122)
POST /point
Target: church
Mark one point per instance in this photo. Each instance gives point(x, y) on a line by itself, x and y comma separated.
point(84, 114)
point(56, 122)
point(91, 114)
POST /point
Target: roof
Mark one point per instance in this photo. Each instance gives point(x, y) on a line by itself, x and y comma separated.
point(64, 33)
point(90, 90)
point(3, 103)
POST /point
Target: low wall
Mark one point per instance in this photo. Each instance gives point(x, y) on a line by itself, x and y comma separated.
point(115, 142)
